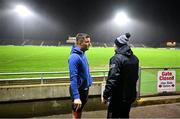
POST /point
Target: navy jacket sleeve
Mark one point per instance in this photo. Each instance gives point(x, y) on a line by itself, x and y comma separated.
point(114, 73)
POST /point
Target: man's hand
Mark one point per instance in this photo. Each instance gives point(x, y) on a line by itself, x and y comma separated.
point(77, 104)
point(104, 101)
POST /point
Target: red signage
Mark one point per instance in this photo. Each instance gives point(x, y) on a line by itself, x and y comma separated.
point(166, 81)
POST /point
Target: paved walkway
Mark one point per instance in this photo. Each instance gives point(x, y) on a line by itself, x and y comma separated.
point(151, 111)
point(147, 107)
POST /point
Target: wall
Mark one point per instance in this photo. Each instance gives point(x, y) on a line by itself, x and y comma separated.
point(43, 99)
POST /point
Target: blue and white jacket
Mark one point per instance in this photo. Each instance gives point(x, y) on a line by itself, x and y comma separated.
point(80, 77)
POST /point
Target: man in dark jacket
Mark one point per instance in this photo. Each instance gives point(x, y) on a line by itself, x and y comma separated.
point(80, 77)
point(120, 87)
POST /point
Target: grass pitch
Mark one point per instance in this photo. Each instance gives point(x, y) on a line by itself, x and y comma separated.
point(49, 59)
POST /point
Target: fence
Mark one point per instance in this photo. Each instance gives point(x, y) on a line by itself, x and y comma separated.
point(24, 78)
point(147, 85)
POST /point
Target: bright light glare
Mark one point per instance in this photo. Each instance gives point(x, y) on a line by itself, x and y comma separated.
point(22, 11)
point(121, 18)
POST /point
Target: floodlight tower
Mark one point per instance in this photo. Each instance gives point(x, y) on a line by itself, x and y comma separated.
point(23, 12)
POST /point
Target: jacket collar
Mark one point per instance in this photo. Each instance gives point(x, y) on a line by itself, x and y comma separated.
point(124, 50)
point(76, 50)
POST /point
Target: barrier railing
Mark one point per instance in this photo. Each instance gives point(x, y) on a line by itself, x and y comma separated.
point(149, 80)
point(147, 83)
point(43, 76)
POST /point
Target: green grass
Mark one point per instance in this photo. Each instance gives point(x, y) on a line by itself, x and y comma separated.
point(33, 58)
point(49, 59)
point(153, 57)
point(45, 59)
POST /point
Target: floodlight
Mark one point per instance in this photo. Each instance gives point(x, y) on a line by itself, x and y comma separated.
point(121, 18)
point(22, 11)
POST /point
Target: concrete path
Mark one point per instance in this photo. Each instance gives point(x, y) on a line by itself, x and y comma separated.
point(150, 111)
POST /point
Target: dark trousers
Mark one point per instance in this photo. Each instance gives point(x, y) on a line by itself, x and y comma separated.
point(118, 109)
point(83, 97)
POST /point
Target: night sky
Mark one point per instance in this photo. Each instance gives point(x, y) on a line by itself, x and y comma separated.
point(153, 20)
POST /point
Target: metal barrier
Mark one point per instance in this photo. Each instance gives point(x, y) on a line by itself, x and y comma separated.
point(42, 77)
point(149, 78)
point(146, 83)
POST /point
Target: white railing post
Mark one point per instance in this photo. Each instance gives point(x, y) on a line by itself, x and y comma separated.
point(42, 78)
point(139, 84)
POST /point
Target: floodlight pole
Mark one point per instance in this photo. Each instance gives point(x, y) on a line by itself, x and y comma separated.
point(23, 28)
point(23, 12)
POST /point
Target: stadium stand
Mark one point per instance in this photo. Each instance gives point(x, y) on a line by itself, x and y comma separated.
point(11, 42)
point(43, 42)
point(31, 42)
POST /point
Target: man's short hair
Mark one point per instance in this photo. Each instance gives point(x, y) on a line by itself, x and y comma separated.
point(81, 36)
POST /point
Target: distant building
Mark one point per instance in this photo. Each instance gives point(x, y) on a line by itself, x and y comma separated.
point(171, 44)
point(71, 40)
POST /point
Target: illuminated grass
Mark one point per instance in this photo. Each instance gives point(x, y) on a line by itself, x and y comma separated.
point(49, 59)
point(35, 58)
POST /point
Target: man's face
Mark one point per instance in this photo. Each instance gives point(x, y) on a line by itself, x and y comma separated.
point(86, 43)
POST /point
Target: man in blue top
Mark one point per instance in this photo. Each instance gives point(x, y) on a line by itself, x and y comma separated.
point(80, 77)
